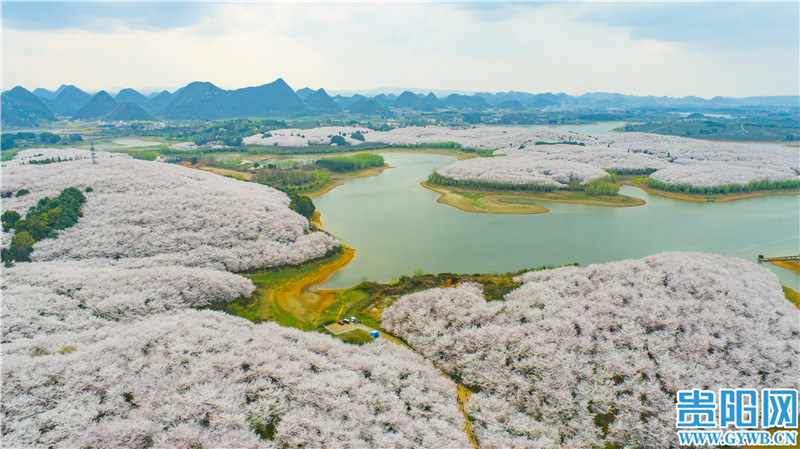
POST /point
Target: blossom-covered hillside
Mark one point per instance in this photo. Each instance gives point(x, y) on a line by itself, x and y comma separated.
point(101, 346)
point(169, 214)
point(675, 160)
point(521, 170)
point(39, 155)
point(43, 298)
point(206, 379)
point(587, 357)
point(294, 137)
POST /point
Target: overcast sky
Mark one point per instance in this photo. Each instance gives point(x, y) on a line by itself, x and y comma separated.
point(675, 49)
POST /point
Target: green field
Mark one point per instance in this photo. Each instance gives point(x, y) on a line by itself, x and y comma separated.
point(752, 129)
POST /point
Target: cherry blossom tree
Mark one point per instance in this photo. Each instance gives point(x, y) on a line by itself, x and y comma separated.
point(584, 357)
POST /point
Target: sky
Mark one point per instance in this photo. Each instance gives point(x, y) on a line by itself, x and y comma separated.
point(637, 48)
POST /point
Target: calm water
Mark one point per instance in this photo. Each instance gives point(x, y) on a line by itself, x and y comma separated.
point(127, 142)
point(397, 227)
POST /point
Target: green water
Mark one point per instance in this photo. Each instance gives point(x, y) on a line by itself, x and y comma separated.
point(397, 227)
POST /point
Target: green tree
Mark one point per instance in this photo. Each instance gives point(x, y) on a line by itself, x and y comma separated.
point(9, 219)
point(302, 205)
point(21, 246)
point(8, 141)
point(49, 138)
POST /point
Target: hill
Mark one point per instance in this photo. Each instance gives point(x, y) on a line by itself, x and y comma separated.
point(346, 102)
point(159, 102)
point(457, 101)
point(322, 102)
point(368, 107)
point(205, 101)
point(571, 336)
point(408, 100)
point(127, 111)
point(22, 108)
point(544, 100)
point(304, 93)
point(510, 105)
point(432, 102)
point(132, 96)
point(384, 100)
point(69, 101)
point(151, 244)
point(44, 94)
point(97, 107)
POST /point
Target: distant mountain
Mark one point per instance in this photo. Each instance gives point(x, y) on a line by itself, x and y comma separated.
point(346, 102)
point(408, 100)
point(304, 92)
point(384, 100)
point(522, 97)
point(489, 97)
point(432, 102)
point(541, 101)
point(777, 100)
point(320, 101)
point(69, 101)
point(127, 111)
point(99, 106)
point(367, 107)
point(457, 101)
point(158, 102)
point(132, 96)
point(44, 94)
point(19, 107)
point(205, 101)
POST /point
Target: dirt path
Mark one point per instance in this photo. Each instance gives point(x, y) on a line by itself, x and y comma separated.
point(462, 396)
point(225, 171)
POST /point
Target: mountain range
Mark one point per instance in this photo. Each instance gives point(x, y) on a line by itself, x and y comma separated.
point(205, 101)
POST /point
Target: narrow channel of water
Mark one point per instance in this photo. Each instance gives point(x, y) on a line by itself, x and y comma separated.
point(397, 227)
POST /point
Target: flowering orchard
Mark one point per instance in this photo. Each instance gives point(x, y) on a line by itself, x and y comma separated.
point(587, 357)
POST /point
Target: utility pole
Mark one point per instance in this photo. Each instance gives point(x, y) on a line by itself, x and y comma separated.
point(91, 148)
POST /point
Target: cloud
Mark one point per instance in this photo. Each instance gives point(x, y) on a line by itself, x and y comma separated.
point(569, 47)
point(102, 17)
point(702, 23)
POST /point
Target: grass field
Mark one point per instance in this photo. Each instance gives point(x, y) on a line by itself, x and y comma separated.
point(523, 202)
point(752, 129)
point(791, 295)
point(793, 265)
point(284, 294)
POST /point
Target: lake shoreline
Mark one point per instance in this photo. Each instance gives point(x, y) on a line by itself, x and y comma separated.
point(721, 198)
point(786, 264)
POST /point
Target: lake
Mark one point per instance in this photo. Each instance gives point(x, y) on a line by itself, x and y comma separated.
point(127, 142)
point(397, 227)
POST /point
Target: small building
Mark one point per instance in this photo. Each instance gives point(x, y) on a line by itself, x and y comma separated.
point(374, 334)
